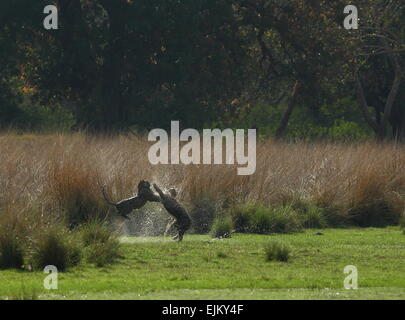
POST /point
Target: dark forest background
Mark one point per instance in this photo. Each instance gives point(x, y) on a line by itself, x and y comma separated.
point(287, 68)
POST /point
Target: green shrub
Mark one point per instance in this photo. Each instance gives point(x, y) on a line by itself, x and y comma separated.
point(94, 232)
point(277, 251)
point(242, 216)
point(374, 213)
point(311, 215)
point(14, 232)
point(55, 246)
point(103, 253)
point(102, 245)
point(284, 219)
point(335, 216)
point(11, 251)
point(314, 218)
point(75, 252)
point(259, 219)
point(202, 214)
point(222, 227)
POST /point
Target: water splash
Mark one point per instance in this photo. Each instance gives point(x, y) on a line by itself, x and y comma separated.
point(149, 221)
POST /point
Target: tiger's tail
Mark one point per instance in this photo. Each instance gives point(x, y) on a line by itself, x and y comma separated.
point(106, 198)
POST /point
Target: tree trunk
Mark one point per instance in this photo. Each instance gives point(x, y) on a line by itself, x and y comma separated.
point(282, 128)
point(112, 104)
point(77, 59)
point(380, 129)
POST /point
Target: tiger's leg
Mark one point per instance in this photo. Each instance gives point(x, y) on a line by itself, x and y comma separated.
point(181, 234)
point(181, 230)
point(177, 236)
point(169, 226)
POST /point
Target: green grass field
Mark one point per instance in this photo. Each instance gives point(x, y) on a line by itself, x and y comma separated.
point(203, 268)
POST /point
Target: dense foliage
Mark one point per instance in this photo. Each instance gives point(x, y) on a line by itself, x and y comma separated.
point(284, 67)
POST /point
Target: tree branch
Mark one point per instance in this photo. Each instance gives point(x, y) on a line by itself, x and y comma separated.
point(364, 106)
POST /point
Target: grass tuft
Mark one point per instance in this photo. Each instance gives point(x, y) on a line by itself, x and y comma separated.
point(13, 239)
point(277, 251)
point(76, 190)
point(11, 251)
point(102, 245)
point(102, 254)
point(311, 215)
point(222, 227)
point(94, 232)
point(55, 246)
point(202, 214)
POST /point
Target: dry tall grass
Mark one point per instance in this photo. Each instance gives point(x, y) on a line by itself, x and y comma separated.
point(53, 177)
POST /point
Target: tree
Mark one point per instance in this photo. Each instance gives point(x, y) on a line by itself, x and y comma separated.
point(380, 46)
point(117, 63)
point(298, 47)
